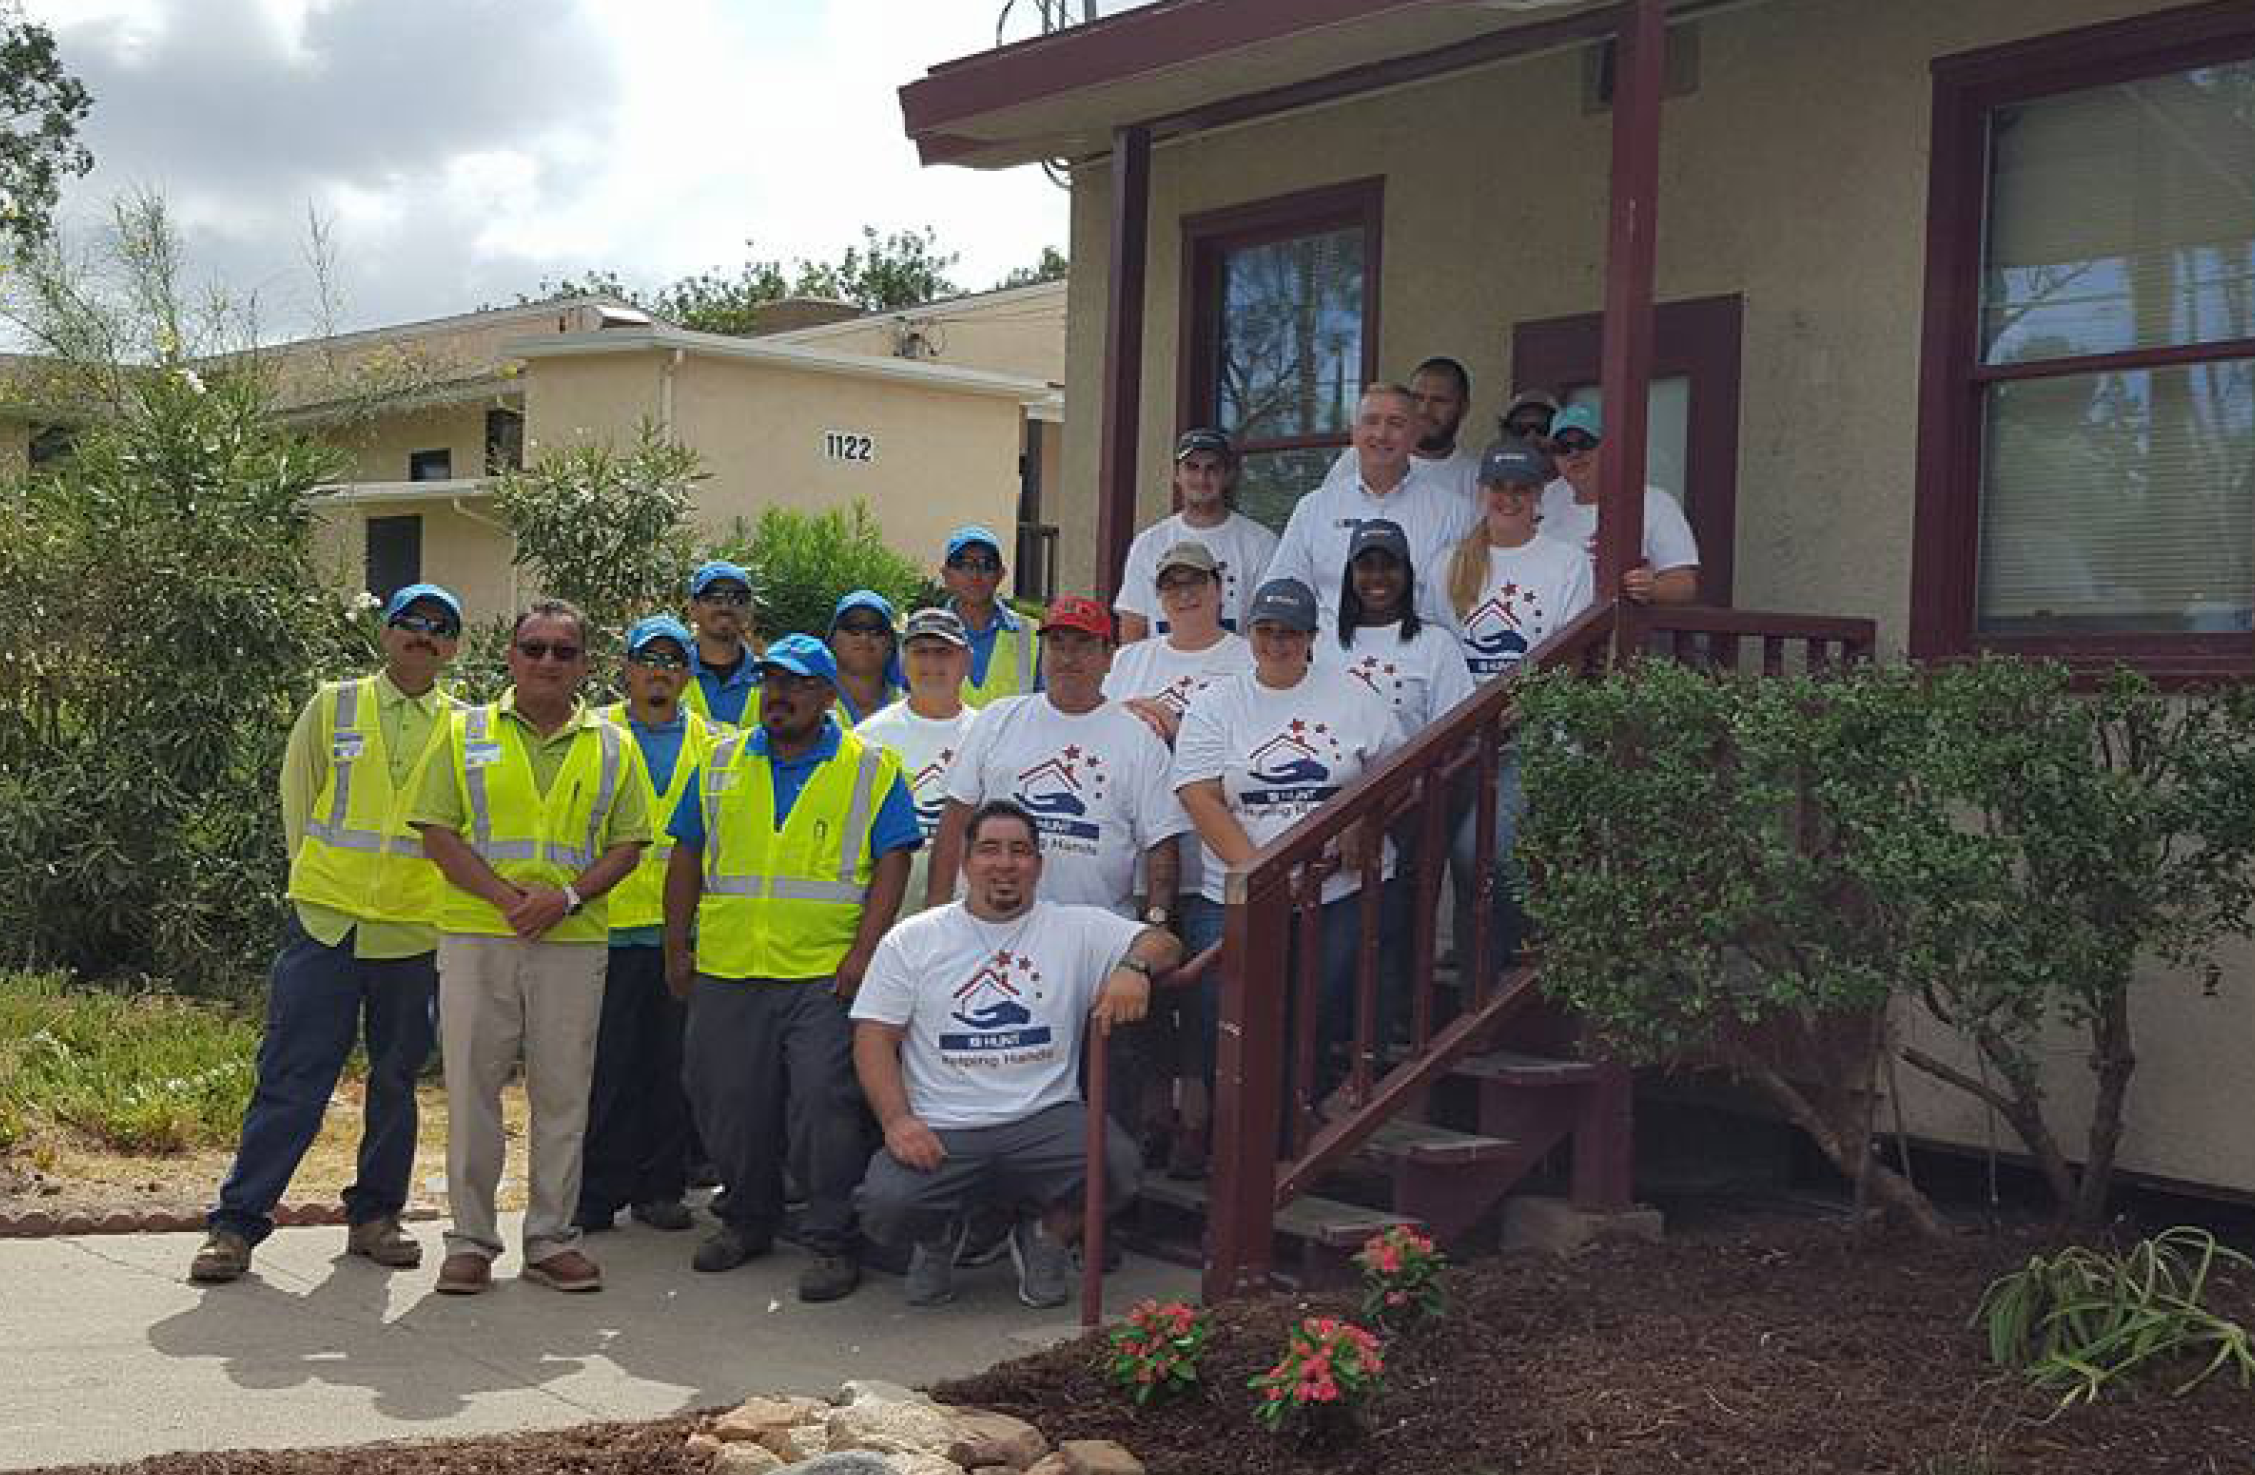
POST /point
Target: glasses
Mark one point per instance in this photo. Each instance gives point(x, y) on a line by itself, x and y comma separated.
point(864, 627)
point(1530, 429)
point(975, 565)
point(657, 660)
point(726, 596)
point(425, 625)
point(541, 650)
point(1173, 582)
point(1575, 443)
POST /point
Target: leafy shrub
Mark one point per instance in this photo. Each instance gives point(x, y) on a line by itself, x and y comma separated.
point(1329, 1370)
point(1156, 1351)
point(1401, 1278)
point(803, 562)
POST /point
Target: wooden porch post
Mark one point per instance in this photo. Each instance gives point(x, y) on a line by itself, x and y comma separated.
point(1626, 368)
point(1123, 355)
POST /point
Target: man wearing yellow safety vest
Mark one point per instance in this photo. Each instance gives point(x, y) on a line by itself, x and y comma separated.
point(357, 956)
point(534, 808)
point(637, 1115)
point(1004, 661)
point(722, 664)
point(791, 856)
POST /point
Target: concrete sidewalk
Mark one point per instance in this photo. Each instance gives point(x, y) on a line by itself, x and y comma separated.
point(108, 1353)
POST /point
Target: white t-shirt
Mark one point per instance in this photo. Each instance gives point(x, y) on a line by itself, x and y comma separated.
point(993, 1011)
point(927, 746)
point(1240, 545)
point(1420, 678)
point(1153, 668)
point(1531, 591)
point(1668, 542)
point(1281, 754)
point(1432, 514)
point(1097, 784)
point(1460, 468)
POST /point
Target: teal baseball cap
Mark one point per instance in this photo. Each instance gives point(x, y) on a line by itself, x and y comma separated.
point(1578, 417)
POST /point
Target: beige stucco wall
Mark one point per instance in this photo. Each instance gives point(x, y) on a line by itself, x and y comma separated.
point(1795, 176)
point(460, 552)
point(379, 447)
point(1019, 331)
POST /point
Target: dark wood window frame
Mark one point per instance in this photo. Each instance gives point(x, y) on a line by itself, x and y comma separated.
point(1952, 380)
point(1208, 236)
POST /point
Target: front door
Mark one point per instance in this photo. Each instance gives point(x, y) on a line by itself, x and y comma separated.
point(1692, 444)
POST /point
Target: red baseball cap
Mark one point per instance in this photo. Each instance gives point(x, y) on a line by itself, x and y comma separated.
point(1072, 612)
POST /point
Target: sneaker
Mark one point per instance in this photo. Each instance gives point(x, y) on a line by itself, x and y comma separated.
point(464, 1273)
point(1044, 1267)
point(223, 1256)
point(829, 1278)
point(702, 1174)
point(985, 1238)
point(931, 1269)
point(669, 1214)
point(383, 1241)
point(728, 1247)
point(566, 1270)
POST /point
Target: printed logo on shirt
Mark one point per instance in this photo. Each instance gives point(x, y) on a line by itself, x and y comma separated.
point(928, 788)
point(1382, 676)
point(1291, 769)
point(995, 1006)
point(1494, 632)
point(1058, 791)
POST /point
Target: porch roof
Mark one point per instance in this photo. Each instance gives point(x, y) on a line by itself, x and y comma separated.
point(1180, 65)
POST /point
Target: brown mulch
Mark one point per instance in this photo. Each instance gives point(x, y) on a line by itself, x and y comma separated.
point(653, 1448)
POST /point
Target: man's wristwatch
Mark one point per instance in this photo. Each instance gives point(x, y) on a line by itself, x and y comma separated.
point(573, 901)
point(1136, 965)
point(1157, 916)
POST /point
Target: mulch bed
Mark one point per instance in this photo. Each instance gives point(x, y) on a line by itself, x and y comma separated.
point(1795, 1347)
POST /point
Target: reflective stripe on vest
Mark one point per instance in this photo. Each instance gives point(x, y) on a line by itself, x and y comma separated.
point(334, 830)
point(477, 727)
point(799, 888)
point(1000, 683)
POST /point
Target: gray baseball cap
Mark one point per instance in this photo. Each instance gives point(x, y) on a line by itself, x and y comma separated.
point(1188, 554)
point(1286, 602)
point(936, 624)
point(1514, 463)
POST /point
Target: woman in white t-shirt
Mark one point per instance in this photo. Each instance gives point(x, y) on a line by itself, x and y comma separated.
point(1511, 588)
point(1157, 677)
point(1416, 665)
point(926, 727)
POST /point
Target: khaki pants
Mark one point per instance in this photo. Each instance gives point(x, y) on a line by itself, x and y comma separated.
point(500, 998)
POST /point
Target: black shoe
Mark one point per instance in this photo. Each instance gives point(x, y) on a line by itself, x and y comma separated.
point(704, 1175)
point(728, 1247)
point(669, 1214)
point(588, 1223)
point(829, 1278)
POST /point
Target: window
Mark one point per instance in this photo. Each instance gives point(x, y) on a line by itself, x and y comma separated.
point(395, 554)
point(430, 465)
point(1282, 333)
point(504, 441)
point(2087, 445)
point(50, 444)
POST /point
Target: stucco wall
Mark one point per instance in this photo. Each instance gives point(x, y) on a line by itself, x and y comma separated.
point(459, 552)
point(379, 448)
point(1795, 176)
point(1021, 331)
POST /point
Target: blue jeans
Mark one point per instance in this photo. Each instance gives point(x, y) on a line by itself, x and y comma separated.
point(1507, 928)
point(317, 1000)
point(1202, 923)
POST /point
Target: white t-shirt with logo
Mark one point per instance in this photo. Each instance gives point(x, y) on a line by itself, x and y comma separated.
point(1430, 508)
point(1240, 545)
point(1097, 784)
point(1460, 468)
point(992, 1011)
point(1281, 754)
point(1668, 542)
point(1153, 668)
point(1531, 591)
point(927, 746)
point(1421, 678)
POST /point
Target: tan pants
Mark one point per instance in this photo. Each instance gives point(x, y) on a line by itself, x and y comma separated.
point(499, 998)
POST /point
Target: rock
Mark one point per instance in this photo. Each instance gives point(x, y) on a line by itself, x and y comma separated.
point(701, 1445)
point(1050, 1465)
point(745, 1459)
point(34, 1223)
point(799, 1442)
point(889, 1426)
point(920, 1462)
point(1098, 1457)
point(849, 1462)
point(866, 1390)
point(76, 1224)
point(984, 1438)
point(746, 1422)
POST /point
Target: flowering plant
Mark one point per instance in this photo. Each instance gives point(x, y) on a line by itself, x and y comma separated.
point(1155, 1351)
point(1401, 1271)
point(1328, 1368)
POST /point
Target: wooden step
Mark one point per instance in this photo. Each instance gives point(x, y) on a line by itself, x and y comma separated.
point(1517, 1069)
point(1321, 1221)
point(1403, 1140)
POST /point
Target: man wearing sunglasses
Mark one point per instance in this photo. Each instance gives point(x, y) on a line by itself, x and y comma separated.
point(637, 1149)
point(1004, 662)
point(534, 808)
point(1669, 572)
point(723, 662)
point(866, 648)
point(358, 956)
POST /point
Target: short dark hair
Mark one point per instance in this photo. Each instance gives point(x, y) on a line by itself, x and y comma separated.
point(1443, 365)
point(994, 809)
point(552, 609)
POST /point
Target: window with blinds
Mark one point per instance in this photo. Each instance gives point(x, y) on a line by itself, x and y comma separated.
point(2116, 317)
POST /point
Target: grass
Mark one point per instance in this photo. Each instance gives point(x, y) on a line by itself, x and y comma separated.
point(136, 1072)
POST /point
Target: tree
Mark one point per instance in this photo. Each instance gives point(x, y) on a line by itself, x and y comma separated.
point(1052, 267)
point(884, 272)
point(42, 106)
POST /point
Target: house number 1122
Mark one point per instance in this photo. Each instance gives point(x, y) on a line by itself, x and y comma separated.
point(841, 445)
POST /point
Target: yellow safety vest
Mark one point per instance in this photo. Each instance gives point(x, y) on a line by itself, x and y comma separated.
point(786, 903)
point(639, 900)
point(530, 838)
point(1010, 667)
point(359, 855)
point(693, 697)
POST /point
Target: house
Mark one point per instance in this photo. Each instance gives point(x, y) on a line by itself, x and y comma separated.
point(1935, 314)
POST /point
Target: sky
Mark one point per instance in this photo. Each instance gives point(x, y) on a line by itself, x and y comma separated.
point(462, 151)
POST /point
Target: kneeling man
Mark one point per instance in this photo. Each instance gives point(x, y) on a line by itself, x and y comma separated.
point(967, 1035)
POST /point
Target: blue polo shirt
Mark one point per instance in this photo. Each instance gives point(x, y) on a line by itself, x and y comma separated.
point(726, 700)
point(895, 828)
point(982, 641)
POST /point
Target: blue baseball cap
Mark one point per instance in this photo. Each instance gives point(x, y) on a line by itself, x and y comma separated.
point(397, 604)
point(802, 655)
point(1578, 417)
point(964, 537)
point(656, 627)
point(709, 574)
point(862, 599)
point(1286, 602)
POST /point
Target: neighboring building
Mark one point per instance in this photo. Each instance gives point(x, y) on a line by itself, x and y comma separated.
point(1956, 322)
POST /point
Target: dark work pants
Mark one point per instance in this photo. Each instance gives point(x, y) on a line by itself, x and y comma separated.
point(637, 1112)
point(760, 1054)
point(1031, 1164)
point(318, 1000)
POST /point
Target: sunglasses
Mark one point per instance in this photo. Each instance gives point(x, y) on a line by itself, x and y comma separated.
point(863, 627)
point(541, 650)
point(726, 596)
point(659, 660)
point(437, 625)
point(1575, 443)
point(976, 565)
point(1530, 429)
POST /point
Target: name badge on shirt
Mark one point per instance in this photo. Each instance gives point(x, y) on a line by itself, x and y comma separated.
point(480, 755)
point(345, 746)
point(721, 780)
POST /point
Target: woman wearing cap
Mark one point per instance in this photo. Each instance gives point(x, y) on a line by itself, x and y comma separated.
point(1415, 665)
point(926, 727)
point(861, 640)
point(1157, 677)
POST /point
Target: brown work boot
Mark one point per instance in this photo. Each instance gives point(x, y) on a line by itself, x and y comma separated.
point(223, 1256)
point(383, 1241)
point(566, 1270)
point(464, 1274)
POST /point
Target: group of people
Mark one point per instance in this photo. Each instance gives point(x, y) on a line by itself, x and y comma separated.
point(848, 936)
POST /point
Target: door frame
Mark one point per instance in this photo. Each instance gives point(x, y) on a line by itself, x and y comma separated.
point(1697, 338)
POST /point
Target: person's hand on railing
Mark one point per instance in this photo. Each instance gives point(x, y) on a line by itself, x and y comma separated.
point(1124, 999)
point(913, 1144)
point(1354, 845)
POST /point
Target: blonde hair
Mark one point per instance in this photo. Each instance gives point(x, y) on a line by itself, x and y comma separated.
point(1468, 569)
